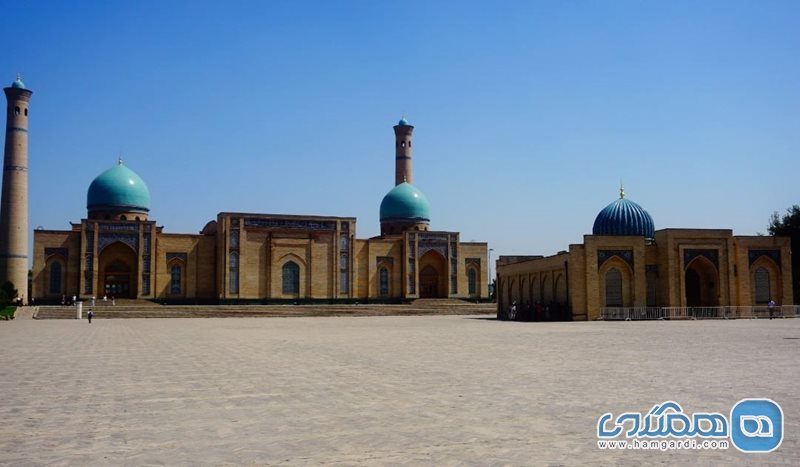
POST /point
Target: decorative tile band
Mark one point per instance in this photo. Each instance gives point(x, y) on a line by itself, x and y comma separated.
point(605, 255)
point(288, 224)
point(63, 252)
point(774, 255)
point(179, 256)
point(711, 255)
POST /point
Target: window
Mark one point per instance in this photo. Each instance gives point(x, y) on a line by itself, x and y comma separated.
point(762, 285)
point(613, 287)
point(344, 276)
point(651, 276)
point(291, 278)
point(453, 276)
point(472, 280)
point(384, 282)
point(234, 239)
point(55, 278)
point(16, 110)
point(233, 279)
point(26, 112)
point(123, 217)
point(175, 280)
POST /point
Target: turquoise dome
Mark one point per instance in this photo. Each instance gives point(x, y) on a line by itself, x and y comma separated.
point(118, 188)
point(403, 122)
point(624, 217)
point(405, 202)
point(18, 84)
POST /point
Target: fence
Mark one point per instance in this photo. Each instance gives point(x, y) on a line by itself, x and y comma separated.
point(703, 312)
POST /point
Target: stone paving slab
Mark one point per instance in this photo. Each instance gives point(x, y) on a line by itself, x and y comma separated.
point(433, 390)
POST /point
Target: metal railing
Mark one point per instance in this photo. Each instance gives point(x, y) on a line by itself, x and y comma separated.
point(631, 313)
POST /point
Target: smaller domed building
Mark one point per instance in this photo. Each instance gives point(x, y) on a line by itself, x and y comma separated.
point(625, 264)
point(117, 250)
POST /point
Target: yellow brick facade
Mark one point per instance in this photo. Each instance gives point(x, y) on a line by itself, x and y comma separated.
point(247, 257)
point(678, 268)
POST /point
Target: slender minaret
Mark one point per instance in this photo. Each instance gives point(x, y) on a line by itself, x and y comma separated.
point(14, 201)
point(402, 152)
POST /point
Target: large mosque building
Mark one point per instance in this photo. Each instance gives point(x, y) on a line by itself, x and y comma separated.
point(625, 263)
point(117, 250)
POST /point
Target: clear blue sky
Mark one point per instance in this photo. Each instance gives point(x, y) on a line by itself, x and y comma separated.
point(528, 114)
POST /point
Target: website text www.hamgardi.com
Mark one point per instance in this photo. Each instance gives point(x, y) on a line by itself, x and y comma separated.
point(664, 444)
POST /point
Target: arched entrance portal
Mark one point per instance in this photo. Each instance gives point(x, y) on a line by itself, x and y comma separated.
point(118, 271)
point(432, 275)
point(701, 283)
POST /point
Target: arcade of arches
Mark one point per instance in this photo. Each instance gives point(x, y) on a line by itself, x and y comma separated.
point(679, 267)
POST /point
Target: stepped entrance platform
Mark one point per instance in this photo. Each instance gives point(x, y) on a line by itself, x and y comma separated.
point(148, 309)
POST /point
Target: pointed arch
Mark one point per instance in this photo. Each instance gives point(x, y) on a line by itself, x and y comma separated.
point(290, 278)
point(55, 275)
point(472, 281)
point(701, 283)
point(433, 281)
point(535, 291)
point(384, 282)
point(561, 289)
point(118, 266)
point(616, 288)
point(765, 281)
point(547, 289)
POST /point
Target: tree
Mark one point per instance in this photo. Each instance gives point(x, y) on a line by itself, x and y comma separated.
point(788, 225)
point(7, 294)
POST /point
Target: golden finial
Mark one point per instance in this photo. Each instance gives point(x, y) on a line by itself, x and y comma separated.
point(119, 159)
point(621, 191)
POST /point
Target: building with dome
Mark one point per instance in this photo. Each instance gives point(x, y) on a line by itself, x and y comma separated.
point(117, 250)
point(626, 263)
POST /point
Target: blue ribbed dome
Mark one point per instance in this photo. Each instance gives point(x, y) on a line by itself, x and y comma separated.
point(118, 188)
point(624, 217)
point(18, 84)
point(405, 202)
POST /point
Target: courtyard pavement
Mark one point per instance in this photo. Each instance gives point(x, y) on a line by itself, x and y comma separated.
point(433, 390)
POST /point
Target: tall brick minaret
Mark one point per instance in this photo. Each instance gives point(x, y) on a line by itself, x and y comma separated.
point(14, 201)
point(402, 152)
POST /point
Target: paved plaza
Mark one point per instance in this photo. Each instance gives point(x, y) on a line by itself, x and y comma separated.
point(435, 390)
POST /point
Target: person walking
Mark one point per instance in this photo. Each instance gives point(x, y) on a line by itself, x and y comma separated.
point(771, 306)
point(89, 315)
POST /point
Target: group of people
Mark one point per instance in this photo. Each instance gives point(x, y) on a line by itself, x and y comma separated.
point(65, 301)
point(536, 311)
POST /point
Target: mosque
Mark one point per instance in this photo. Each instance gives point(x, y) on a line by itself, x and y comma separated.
point(625, 262)
point(117, 250)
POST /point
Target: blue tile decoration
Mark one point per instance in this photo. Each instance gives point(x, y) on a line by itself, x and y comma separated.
point(605, 255)
point(710, 254)
point(254, 222)
point(774, 255)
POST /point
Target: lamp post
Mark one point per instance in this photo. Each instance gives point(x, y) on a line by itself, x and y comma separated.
point(490, 271)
